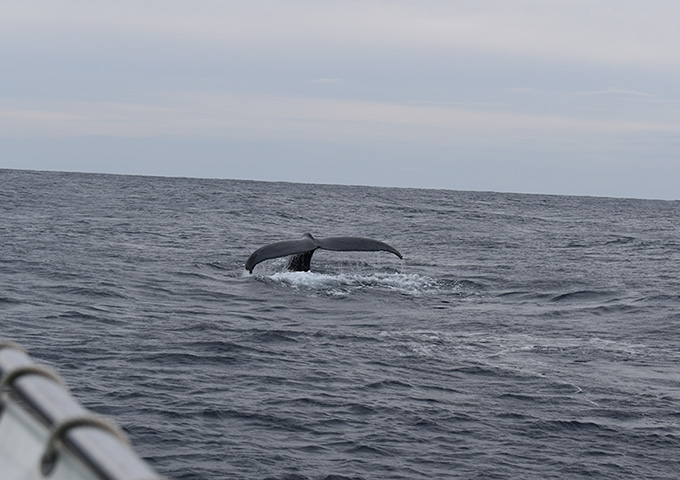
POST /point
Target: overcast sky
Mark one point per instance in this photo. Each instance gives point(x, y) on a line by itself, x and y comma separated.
point(538, 96)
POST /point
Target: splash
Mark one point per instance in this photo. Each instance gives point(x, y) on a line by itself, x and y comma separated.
point(345, 282)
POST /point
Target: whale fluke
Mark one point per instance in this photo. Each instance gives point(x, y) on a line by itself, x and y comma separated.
point(303, 249)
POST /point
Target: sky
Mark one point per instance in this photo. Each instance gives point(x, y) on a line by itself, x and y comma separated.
point(567, 97)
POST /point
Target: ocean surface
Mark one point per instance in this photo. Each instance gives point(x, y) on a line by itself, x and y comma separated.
point(522, 336)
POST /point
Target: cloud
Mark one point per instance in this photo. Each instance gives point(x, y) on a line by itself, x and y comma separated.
point(299, 118)
point(619, 92)
point(326, 81)
point(620, 32)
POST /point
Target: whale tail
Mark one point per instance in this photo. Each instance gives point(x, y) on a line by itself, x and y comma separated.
point(300, 262)
point(303, 249)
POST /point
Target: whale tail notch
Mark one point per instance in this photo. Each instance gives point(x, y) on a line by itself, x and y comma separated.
point(303, 249)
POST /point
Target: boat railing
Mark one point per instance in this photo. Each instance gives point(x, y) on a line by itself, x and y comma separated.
point(46, 433)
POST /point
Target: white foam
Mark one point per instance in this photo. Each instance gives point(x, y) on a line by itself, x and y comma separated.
point(411, 283)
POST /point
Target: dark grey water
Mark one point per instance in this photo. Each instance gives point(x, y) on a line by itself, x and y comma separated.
point(523, 336)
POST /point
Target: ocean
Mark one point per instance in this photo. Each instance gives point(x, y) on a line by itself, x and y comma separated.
point(522, 336)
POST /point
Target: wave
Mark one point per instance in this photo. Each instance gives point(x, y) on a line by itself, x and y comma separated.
point(583, 295)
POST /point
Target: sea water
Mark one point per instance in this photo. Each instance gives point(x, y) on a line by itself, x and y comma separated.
point(522, 336)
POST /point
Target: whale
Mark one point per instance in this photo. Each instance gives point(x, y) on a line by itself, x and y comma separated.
point(303, 249)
